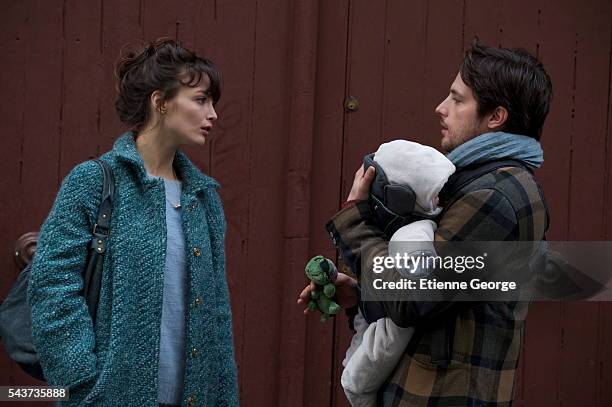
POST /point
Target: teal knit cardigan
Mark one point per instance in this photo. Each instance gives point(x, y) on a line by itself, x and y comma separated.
point(114, 362)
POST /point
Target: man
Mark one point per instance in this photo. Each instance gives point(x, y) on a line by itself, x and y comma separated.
point(464, 354)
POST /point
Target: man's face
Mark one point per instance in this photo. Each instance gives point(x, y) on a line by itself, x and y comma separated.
point(459, 116)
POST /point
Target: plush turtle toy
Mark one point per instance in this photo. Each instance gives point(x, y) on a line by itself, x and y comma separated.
point(323, 273)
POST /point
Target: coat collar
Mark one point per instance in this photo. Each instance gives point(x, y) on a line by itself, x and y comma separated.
point(192, 178)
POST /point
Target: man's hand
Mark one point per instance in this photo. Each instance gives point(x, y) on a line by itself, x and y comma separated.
point(346, 294)
point(361, 184)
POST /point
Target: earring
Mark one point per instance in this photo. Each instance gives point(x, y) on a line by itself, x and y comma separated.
point(162, 109)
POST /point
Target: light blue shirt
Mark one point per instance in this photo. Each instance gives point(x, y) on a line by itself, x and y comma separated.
point(173, 323)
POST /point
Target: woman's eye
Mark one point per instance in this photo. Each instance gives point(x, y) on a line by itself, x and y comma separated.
point(202, 100)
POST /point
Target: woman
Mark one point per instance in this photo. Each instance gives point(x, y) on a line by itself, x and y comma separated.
point(163, 332)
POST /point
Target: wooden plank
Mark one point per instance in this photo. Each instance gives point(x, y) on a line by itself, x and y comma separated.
point(40, 127)
point(325, 196)
point(43, 98)
point(518, 26)
point(604, 360)
point(605, 312)
point(363, 128)
point(556, 51)
point(365, 76)
point(120, 26)
point(174, 20)
point(543, 336)
point(589, 124)
point(444, 52)
point(268, 144)
point(82, 83)
point(228, 154)
point(580, 373)
point(403, 110)
point(298, 187)
point(543, 350)
point(13, 42)
point(482, 19)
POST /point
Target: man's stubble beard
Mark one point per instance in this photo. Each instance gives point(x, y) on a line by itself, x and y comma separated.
point(453, 142)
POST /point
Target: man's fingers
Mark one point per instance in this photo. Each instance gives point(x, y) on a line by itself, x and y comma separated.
point(369, 174)
point(368, 178)
point(305, 294)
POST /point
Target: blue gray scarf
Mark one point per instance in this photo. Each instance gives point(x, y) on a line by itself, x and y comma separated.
point(497, 146)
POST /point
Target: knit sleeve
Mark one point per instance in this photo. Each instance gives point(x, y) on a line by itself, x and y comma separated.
point(62, 328)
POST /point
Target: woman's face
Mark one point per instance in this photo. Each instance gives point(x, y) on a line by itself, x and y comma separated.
point(190, 114)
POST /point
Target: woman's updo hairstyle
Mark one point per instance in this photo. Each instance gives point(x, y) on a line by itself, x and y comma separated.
point(161, 65)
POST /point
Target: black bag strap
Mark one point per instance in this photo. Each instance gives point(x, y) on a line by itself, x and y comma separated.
point(106, 203)
point(92, 275)
point(463, 176)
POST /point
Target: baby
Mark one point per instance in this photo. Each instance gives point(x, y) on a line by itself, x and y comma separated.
point(376, 348)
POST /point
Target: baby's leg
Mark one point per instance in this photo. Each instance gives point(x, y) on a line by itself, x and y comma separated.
point(373, 360)
point(360, 325)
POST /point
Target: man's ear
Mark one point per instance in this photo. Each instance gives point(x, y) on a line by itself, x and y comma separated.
point(497, 118)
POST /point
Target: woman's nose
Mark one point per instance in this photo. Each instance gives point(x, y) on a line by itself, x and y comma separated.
point(212, 114)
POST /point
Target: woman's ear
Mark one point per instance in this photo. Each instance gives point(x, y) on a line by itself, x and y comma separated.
point(497, 118)
point(157, 102)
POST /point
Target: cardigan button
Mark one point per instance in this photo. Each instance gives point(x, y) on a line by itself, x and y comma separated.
point(197, 302)
point(191, 401)
point(197, 252)
point(195, 352)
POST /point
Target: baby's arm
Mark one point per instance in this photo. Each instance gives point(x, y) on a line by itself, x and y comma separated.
point(419, 231)
point(414, 239)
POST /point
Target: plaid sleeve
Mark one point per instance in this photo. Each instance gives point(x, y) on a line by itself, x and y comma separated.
point(349, 228)
point(356, 234)
point(484, 214)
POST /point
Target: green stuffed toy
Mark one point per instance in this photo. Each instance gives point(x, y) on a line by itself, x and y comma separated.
point(323, 273)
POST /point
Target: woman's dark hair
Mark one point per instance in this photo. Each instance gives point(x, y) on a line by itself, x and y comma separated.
point(161, 65)
point(513, 79)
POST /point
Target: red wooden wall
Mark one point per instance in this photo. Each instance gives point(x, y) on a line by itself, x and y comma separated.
point(285, 149)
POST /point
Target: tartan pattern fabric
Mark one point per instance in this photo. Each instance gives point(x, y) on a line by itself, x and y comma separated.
point(462, 354)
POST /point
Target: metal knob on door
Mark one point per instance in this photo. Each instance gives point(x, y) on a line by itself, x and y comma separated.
point(351, 104)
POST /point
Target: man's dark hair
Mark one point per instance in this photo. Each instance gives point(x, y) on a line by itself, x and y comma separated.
point(513, 79)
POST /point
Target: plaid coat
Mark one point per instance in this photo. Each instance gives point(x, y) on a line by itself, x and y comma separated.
point(462, 354)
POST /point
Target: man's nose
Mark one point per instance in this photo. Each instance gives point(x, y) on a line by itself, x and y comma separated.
point(441, 109)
